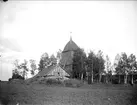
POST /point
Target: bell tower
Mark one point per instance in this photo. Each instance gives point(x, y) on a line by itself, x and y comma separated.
point(67, 55)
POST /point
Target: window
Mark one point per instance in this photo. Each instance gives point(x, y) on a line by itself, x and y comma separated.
point(58, 73)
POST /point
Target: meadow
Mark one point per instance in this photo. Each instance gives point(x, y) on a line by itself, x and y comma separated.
point(41, 94)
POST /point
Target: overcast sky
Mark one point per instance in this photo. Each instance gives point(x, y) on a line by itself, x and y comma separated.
point(28, 29)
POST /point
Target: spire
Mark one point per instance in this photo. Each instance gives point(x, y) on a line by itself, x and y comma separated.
point(70, 36)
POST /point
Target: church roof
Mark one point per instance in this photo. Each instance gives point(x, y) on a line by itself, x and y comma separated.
point(67, 57)
point(70, 46)
point(47, 70)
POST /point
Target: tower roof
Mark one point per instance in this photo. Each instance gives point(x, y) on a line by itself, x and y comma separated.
point(67, 56)
point(70, 46)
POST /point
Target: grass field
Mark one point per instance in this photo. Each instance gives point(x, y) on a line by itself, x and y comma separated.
point(40, 94)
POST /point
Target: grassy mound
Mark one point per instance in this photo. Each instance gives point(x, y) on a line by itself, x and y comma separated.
point(66, 83)
point(54, 81)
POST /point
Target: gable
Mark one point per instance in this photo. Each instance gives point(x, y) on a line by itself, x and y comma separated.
point(58, 71)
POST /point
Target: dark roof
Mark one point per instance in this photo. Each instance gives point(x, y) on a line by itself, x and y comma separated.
point(70, 46)
point(67, 54)
point(45, 71)
point(67, 58)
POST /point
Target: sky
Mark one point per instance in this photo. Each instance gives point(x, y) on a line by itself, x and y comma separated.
point(30, 28)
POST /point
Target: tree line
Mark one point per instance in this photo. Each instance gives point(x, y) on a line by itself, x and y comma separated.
point(94, 67)
point(88, 67)
point(91, 67)
point(21, 70)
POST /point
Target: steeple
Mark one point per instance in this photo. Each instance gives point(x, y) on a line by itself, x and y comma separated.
point(71, 45)
point(70, 37)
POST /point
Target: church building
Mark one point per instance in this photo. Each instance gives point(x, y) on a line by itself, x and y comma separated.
point(63, 69)
point(67, 56)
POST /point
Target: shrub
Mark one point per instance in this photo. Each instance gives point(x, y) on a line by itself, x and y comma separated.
point(72, 83)
point(4, 100)
point(50, 81)
point(10, 79)
point(68, 83)
point(114, 80)
point(17, 76)
point(42, 81)
point(53, 81)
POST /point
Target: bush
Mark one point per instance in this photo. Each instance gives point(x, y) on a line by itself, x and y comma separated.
point(72, 83)
point(114, 80)
point(42, 81)
point(10, 79)
point(4, 100)
point(53, 81)
point(68, 83)
point(50, 81)
point(17, 76)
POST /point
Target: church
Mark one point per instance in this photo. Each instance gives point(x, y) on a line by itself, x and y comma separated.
point(67, 56)
point(63, 69)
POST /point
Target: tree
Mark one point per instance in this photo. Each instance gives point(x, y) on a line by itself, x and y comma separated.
point(122, 67)
point(25, 68)
point(109, 74)
point(16, 73)
point(90, 64)
point(108, 68)
point(132, 65)
point(58, 57)
point(79, 63)
point(41, 65)
point(53, 60)
point(44, 61)
point(33, 66)
point(119, 71)
point(17, 67)
point(96, 67)
point(116, 61)
point(17, 76)
point(101, 62)
point(117, 67)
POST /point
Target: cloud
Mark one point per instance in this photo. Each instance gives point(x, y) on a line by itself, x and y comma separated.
point(8, 14)
point(9, 49)
point(7, 44)
point(3, 49)
point(9, 10)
